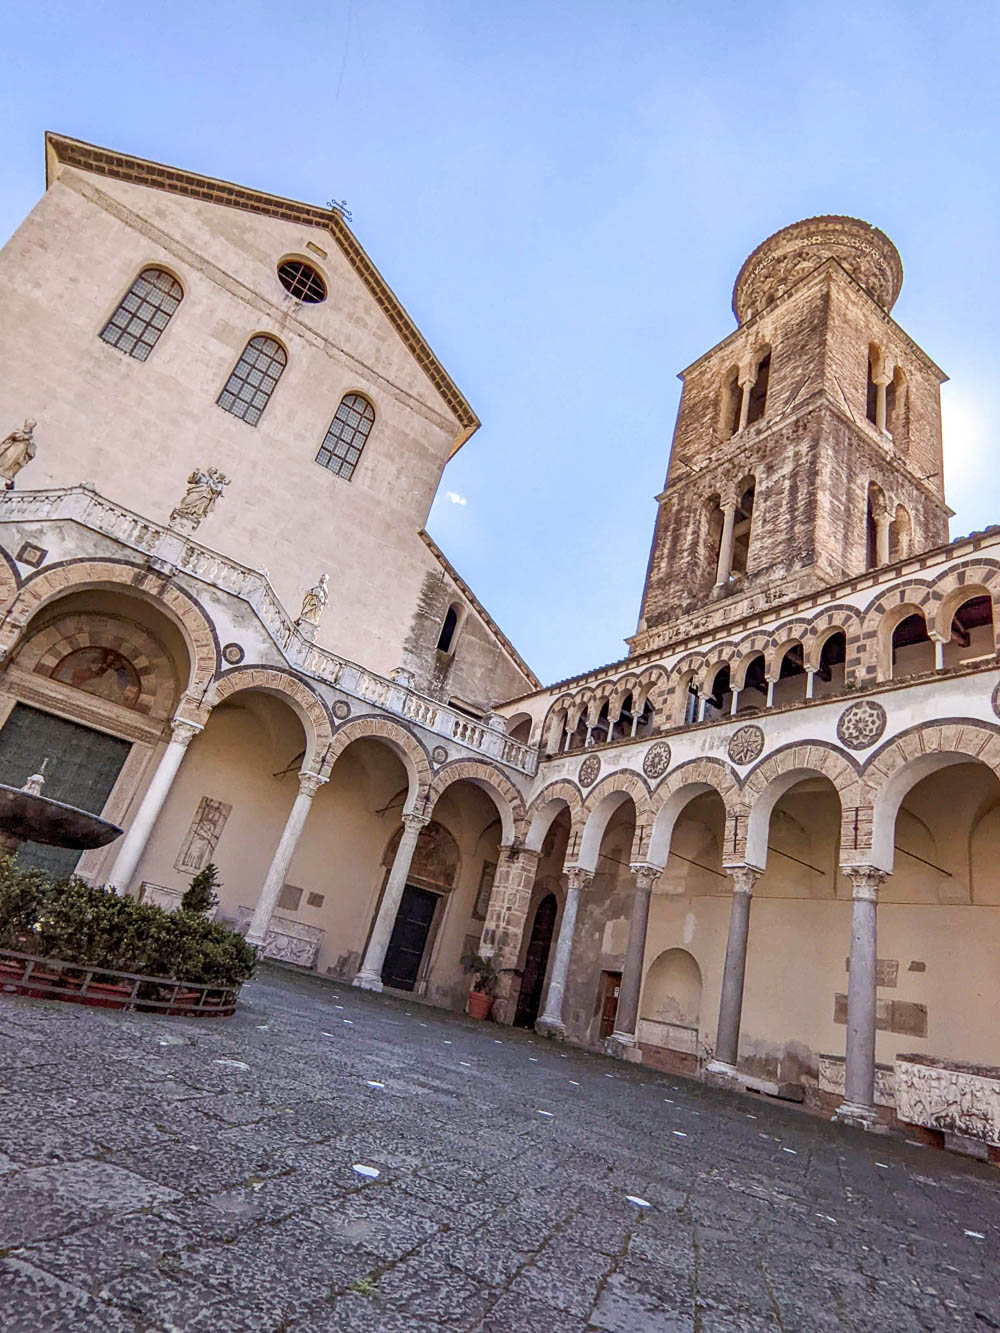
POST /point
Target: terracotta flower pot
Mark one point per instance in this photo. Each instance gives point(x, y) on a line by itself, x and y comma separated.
point(479, 1005)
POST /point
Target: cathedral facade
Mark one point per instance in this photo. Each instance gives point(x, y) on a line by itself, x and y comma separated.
point(761, 848)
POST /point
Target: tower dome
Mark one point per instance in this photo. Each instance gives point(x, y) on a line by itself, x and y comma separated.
point(784, 258)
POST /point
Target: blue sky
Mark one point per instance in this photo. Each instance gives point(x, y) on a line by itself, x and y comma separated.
point(562, 194)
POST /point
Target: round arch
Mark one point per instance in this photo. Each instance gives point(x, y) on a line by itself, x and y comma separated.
point(557, 796)
point(676, 792)
point(781, 771)
point(405, 745)
point(497, 786)
point(307, 706)
point(895, 769)
point(601, 804)
point(179, 606)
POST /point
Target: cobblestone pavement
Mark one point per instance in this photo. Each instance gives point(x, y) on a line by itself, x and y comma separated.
point(164, 1174)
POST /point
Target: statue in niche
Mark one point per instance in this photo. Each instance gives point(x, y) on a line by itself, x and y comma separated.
point(203, 489)
point(15, 451)
point(314, 602)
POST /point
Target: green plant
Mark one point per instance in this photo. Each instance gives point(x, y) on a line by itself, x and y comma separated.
point(364, 1286)
point(201, 896)
point(92, 927)
point(485, 972)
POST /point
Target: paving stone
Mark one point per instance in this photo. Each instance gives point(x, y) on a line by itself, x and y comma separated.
point(145, 1189)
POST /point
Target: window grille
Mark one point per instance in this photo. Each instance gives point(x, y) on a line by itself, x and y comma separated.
point(346, 437)
point(143, 313)
point(253, 379)
point(301, 281)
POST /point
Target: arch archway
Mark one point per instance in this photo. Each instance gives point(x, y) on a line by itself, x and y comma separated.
point(398, 739)
point(307, 705)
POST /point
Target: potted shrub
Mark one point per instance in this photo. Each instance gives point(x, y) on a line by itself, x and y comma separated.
point(481, 996)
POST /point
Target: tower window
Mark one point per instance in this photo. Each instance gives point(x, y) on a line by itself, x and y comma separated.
point(302, 281)
point(758, 391)
point(448, 627)
point(741, 529)
point(143, 313)
point(346, 437)
point(253, 379)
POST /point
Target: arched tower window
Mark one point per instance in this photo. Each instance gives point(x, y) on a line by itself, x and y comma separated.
point(449, 625)
point(253, 379)
point(758, 390)
point(143, 313)
point(348, 433)
point(741, 528)
point(876, 528)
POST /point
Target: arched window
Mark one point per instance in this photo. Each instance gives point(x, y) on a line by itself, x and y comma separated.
point(448, 627)
point(253, 379)
point(741, 528)
point(912, 650)
point(346, 437)
point(143, 313)
point(758, 391)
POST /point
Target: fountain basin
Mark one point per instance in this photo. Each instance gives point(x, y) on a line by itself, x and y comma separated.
point(28, 817)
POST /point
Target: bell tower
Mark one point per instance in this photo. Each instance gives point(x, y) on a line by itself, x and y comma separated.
point(808, 442)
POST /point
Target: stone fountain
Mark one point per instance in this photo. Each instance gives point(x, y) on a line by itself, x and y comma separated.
point(28, 816)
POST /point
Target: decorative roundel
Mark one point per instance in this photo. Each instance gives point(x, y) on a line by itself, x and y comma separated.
point(861, 724)
point(341, 710)
point(996, 701)
point(439, 754)
point(746, 744)
point(657, 760)
point(233, 654)
point(589, 770)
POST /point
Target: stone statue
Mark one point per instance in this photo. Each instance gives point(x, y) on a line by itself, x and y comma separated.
point(204, 488)
point(314, 602)
point(16, 450)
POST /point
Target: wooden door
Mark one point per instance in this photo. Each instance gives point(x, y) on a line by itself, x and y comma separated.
point(611, 983)
point(536, 960)
point(409, 938)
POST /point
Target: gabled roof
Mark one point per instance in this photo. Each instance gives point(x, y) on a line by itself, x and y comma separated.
point(139, 171)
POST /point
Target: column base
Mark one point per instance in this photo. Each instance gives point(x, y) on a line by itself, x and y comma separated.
point(550, 1027)
point(722, 1075)
point(622, 1046)
point(256, 940)
point(860, 1117)
point(367, 981)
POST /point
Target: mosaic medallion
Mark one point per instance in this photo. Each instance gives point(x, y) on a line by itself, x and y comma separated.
point(233, 654)
point(589, 770)
point(439, 754)
point(657, 760)
point(996, 701)
point(861, 724)
point(341, 710)
point(746, 744)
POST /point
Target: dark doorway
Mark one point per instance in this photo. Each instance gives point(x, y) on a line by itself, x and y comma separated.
point(536, 960)
point(83, 767)
point(611, 984)
point(409, 938)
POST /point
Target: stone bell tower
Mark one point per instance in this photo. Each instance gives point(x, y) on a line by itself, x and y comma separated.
point(808, 442)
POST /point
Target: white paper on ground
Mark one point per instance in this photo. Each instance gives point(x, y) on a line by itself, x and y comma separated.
point(231, 1064)
point(372, 1083)
point(639, 1203)
point(369, 1172)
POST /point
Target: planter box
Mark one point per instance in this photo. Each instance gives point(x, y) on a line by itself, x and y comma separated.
point(948, 1096)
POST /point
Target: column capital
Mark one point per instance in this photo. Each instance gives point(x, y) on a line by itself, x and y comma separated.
point(183, 731)
point(865, 882)
point(743, 878)
point(645, 875)
point(416, 822)
point(577, 878)
point(310, 783)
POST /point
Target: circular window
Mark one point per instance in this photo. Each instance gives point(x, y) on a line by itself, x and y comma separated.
point(302, 281)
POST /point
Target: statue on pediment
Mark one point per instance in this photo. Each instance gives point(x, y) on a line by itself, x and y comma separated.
point(15, 451)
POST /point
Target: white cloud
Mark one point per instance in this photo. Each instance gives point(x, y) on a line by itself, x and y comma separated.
point(455, 498)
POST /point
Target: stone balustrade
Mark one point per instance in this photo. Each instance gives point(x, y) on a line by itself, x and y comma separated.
point(175, 552)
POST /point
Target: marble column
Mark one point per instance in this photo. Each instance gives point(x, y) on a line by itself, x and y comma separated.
point(551, 1019)
point(309, 785)
point(881, 381)
point(882, 522)
point(725, 565)
point(748, 379)
point(811, 681)
point(135, 840)
point(626, 1017)
point(370, 975)
point(727, 1039)
point(858, 1106)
